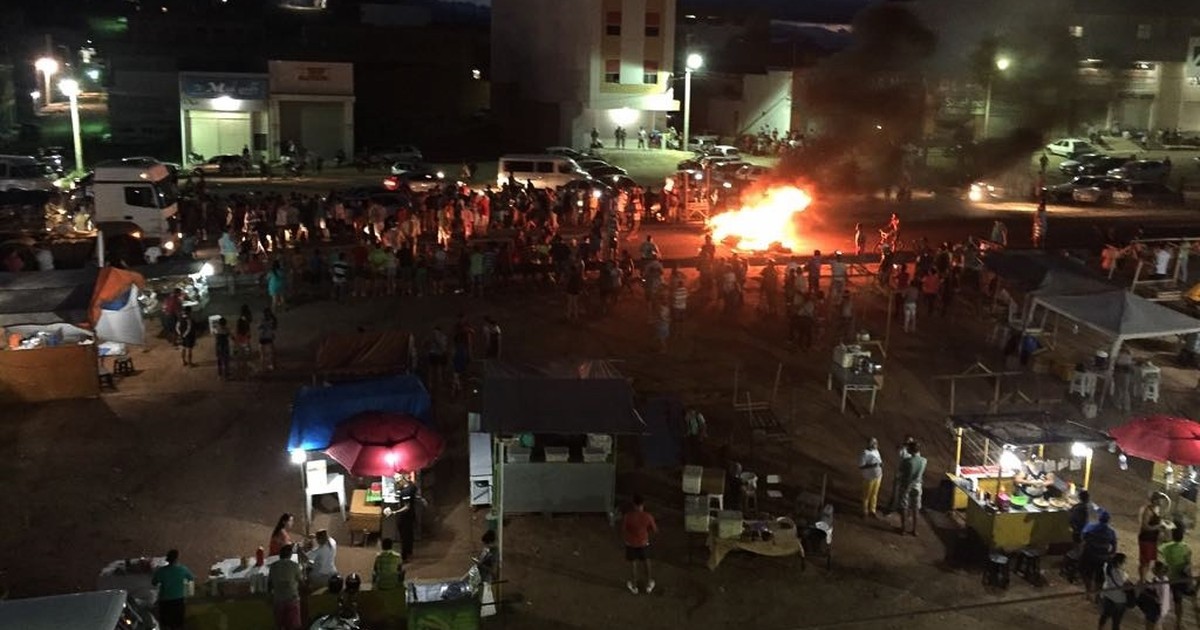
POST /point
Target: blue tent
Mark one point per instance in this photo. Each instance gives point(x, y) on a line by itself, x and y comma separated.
point(317, 411)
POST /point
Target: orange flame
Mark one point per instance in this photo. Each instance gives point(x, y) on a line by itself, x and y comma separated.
point(762, 224)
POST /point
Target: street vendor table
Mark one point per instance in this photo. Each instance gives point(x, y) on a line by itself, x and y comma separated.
point(232, 576)
point(851, 381)
point(132, 576)
point(1019, 528)
point(987, 478)
point(364, 518)
point(782, 543)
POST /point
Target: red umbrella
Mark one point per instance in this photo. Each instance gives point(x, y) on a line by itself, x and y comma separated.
point(375, 443)
point(1160, 439)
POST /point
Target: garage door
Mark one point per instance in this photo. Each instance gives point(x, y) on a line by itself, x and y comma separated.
point(1189, 116)
point(1134, 113)
point(316, 126)
point(219, 133)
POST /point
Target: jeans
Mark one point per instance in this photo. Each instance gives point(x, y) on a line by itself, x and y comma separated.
point(910, 316)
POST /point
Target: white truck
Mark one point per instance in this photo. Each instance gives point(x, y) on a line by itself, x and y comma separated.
point(96, 610)
point(134, 202)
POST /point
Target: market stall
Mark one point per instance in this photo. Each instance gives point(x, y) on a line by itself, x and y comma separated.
point(1173, 445)
point(42, 362)
point(854, 370)
point(364, 355)
point(318, 410)
point(114, 311)
point(1028, 468)
point(552, 428)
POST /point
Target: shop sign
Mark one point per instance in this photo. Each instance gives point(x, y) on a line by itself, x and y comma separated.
point(241, 88)
point(313, 73)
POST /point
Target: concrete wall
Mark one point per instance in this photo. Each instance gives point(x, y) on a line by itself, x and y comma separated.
point(766, 101)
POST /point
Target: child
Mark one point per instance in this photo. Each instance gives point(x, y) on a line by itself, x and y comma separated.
point(221, 337)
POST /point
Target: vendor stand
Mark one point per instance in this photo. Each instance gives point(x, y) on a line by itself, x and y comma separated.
point(853, 370)
point(1007, 447)
point(43, 362)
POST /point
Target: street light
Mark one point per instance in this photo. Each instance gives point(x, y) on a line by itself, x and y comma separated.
point(70, 89)
point(35, 95)
point(1002, 64)
point(694, 62)
point(48, 66)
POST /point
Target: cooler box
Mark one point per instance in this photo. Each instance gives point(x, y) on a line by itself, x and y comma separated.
point(695, 515)
point(729, 524)
point(517, 454)
point(692, 476)
point(558, 454)
point(594, 456)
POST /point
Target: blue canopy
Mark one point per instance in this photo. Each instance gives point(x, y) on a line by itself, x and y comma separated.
point(317, 411)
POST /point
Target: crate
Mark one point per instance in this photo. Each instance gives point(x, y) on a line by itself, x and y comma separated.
point(729, 524)
point(696, 520)
point(558, 454)
point(517, 454)
point(594, 455)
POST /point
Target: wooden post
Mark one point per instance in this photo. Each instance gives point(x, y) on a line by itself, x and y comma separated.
point(996, 395)
point(953, 384)
point(775, 389)
point(887, 326)
point(1087, 472)
point(987, 443)
point(958, 437)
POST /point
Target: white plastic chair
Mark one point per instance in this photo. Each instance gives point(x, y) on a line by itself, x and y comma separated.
point(319, 482)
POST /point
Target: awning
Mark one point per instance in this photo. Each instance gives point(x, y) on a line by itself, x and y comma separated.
point(561, 398)
point(1032, 428)
point(1120, 315)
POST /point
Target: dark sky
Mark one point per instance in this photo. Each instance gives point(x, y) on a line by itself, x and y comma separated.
point(833, 10)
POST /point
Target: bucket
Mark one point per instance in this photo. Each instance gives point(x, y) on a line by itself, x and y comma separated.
point(492, 519)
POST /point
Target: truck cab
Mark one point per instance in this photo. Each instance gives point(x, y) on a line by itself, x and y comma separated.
point(134, 204)
point(96, 610)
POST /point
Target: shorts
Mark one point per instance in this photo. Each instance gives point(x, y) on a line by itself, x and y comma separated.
point(911, 499)
point(1179, 590)
point(287, 614)
point(634, 554)
point(171, 613)
point(1147, 551)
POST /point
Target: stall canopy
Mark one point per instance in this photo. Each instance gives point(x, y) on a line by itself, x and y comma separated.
point(358, 354)
point(114, 311)
point(1044, 273)
point(1032, 428)
point(317, 411)
point(563, 398)
point(1120, 315)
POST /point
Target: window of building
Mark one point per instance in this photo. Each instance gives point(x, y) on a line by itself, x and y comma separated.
point(612, 71)
point(652, 25)
point(612, 23)
point(650, 74)
point(1075, 31)
point(1144, 31)
point(140, 197)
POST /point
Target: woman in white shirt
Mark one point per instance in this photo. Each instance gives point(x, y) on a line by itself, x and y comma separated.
point(1114, 597)
point(321, 560)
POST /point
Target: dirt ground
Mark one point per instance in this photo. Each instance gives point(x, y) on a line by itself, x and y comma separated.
point(177, 458)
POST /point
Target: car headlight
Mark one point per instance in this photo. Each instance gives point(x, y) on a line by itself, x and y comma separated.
point(169, 246)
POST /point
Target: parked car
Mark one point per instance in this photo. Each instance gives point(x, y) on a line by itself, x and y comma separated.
point(398, 153)
point(567, 152)
point(416, 181)
point(224, 165)
point(1141, 171)
point(724, 150)
point(1070, 147)
point(1100, 192)
point(404, 166)
point(1073, 166)
point(1065, 193)
point(1145, 194)
point(690, 164)
point(606, 170)
point(751, 172)
point(587, 163)
point(1102, 166)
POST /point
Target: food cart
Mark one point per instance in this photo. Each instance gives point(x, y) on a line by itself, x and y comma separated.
point(854, 370)
point(1001, 444)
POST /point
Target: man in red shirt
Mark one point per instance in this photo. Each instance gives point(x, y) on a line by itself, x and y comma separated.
point(636, 528)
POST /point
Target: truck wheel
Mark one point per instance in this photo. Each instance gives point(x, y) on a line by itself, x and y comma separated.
point(126, 249)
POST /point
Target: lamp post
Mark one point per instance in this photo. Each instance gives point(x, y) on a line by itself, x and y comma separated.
point(694, 62)
point(34, 96)
point(70, 89)
point(1002, 64)
point(300, 458)
point(48, 66)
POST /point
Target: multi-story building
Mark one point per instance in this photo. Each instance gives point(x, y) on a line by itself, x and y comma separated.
point(560, 69)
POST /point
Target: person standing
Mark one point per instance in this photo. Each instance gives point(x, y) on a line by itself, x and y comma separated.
point(1150, 527)
point(1177, 556)
point(910, 307)
point(387, 573)
point(221, 341)
point(931, 285)
point(1099, 545)
point(870, 463)
point(283, 583)
point(172, 305)
point(1039, 224)
point(340, 275)
point(280, 537)
point(837, 269)
point(636, 529)
point(860, 240)
point(1114, 599)
point(901, 456)
point(813, 267)
point(912, 472)
point(276, 285)
point(641, 138)
point(1080, 515)
point(266, 339)
point(185, 335)
point(172, 582)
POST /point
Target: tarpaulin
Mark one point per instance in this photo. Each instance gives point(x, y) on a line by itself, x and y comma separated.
point(113, 312)
point(364, 353)
point(317, 411)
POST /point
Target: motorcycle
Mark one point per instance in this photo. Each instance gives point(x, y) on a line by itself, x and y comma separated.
point(346, 616)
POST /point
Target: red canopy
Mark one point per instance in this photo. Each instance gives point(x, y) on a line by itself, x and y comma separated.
point(376, 443)
point(1160, 439)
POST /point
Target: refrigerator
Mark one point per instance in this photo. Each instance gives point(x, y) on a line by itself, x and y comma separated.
point(481, 468)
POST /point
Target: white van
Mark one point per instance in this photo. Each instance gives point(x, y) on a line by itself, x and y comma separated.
point(96, 610)
point(544, 170)
point(23, 172)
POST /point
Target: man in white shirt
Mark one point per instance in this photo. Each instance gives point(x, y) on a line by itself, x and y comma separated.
point(321, 560)
point(1162, 261)
point(870, 463)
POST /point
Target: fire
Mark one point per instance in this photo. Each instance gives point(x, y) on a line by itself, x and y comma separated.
point(769, 221)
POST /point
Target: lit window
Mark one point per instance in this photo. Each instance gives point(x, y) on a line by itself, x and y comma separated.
point(612, 71)
point(1076, 31)
point(652, 25)
point(1144, 31)
point(650, 74)
point(612, 23)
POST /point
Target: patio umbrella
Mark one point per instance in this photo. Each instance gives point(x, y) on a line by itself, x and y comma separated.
point(376, 443)
point(1160, 439)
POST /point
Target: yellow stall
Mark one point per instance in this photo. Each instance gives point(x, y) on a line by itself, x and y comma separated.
point(1026, 469)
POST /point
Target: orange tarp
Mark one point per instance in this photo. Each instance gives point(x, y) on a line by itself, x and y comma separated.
point(110, 285)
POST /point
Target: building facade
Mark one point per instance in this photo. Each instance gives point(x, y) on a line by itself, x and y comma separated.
point(560, 69)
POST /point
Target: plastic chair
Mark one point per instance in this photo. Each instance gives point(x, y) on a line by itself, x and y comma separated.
point(319, 482)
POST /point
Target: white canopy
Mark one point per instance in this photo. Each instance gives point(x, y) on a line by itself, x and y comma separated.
point(1120, 315)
